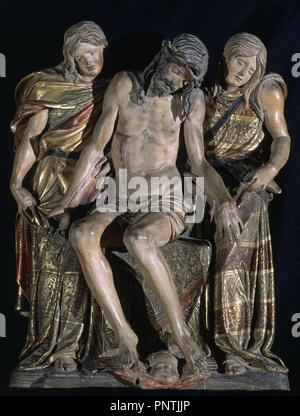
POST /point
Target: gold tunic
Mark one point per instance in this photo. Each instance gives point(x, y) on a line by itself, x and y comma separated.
point(73, 111)
point(239, 136)
point(243, 275)
point(48, 271)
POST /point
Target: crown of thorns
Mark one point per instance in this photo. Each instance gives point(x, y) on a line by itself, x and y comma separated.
point(189, 52)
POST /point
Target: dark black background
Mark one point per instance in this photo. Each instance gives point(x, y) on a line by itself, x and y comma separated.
point(31, 35)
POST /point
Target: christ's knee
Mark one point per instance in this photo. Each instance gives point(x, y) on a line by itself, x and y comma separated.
point(83, 236)
point(137, 241)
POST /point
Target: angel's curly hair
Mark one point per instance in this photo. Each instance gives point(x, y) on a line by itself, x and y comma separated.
point(244, 44)
point(86, 32)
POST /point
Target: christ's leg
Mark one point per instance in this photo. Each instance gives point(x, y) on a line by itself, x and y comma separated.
point(85, 237)
point(143, 239)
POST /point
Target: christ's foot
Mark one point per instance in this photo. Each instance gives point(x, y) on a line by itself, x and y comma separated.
point(193, 354)
point(128, 357)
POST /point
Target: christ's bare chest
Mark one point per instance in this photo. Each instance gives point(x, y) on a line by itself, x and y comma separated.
point(147, 135)
point(159, 116)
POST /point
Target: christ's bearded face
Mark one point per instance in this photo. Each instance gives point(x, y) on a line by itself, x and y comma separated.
point(169, 78)
point(89, 59)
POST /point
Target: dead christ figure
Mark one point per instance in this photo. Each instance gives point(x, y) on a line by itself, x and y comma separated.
point(143, 117)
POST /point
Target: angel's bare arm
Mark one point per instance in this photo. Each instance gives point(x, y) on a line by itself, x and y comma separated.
point(25, 158)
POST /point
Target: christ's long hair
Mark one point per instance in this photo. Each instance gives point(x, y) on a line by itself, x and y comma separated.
point(186, 50)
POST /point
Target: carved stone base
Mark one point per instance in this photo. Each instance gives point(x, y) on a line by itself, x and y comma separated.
point(48, 379)
point(250, 381)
